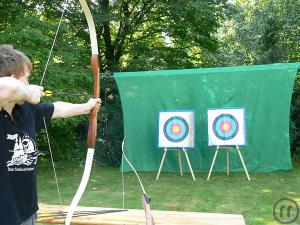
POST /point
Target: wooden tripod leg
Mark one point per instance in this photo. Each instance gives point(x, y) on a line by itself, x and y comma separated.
point(213, 162)
point(242, 160)
point(189, 163)
point(228, 162)
point(162, 162)
point(179, 161)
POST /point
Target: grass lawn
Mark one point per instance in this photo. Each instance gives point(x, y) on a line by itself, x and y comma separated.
point(222, 194)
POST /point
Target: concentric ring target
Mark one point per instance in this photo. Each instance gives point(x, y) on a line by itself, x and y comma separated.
point(176, 129)
point(225, 126)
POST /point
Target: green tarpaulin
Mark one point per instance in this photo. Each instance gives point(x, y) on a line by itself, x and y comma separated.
point(264, 91)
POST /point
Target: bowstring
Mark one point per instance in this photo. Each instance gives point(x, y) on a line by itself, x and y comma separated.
point(65, 4)
point(52, 160)
point(132, 167)
point(134, 170)
point(145, 195)
point(123, 183)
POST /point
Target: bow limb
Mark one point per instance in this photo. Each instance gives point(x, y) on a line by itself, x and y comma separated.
point(92, 131)
point(145, 198)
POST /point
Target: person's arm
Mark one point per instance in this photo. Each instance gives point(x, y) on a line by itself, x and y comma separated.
point(13, 90)
point(66, 110)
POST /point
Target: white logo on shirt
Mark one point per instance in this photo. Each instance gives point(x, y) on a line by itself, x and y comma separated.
point(24, 152)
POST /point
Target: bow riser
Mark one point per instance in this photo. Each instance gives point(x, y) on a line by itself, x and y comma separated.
point(92, 131)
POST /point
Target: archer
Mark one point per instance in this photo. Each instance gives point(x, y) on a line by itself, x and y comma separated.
point(21, 116)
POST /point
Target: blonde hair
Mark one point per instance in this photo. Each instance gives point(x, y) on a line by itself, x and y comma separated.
point(13, 61)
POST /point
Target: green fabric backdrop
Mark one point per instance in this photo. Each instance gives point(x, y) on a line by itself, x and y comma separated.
point(264, 91)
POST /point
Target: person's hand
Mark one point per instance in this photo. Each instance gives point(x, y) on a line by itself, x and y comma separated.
point(36, 93)
point(94, 103)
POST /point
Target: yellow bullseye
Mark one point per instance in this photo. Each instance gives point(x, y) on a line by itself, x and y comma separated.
point(175, 129)
point(225, 127)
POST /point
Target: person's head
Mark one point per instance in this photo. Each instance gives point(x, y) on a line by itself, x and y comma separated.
point(14, 63)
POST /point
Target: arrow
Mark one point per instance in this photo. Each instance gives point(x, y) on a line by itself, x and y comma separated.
point(49, 93)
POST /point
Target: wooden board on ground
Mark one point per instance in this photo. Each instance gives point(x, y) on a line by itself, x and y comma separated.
point(54, 214)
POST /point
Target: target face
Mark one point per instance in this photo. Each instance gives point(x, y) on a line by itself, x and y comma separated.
point(176, 129)
point(226, 126)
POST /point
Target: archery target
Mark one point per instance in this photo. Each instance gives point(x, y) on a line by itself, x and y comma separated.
point(226, 126)
point(176, 129)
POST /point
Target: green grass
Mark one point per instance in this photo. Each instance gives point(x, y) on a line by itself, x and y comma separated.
point(222, 194)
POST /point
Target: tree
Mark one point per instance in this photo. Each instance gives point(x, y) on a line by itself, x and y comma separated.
point(143, 34)
point(132, 34)
point(260, 32)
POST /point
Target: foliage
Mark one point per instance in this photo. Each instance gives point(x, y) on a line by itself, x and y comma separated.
point(108, 148)
point(295, 120)
point(260, 32)
point(146, 32)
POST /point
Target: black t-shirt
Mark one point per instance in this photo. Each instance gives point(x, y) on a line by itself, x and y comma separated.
point(18, 158)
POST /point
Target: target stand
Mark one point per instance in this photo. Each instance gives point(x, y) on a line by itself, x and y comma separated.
point(176, 132)
point(226, 130)
point(179, 161)
point(228, 164)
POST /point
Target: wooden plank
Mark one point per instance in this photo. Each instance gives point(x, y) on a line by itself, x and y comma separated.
point(54, 214)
